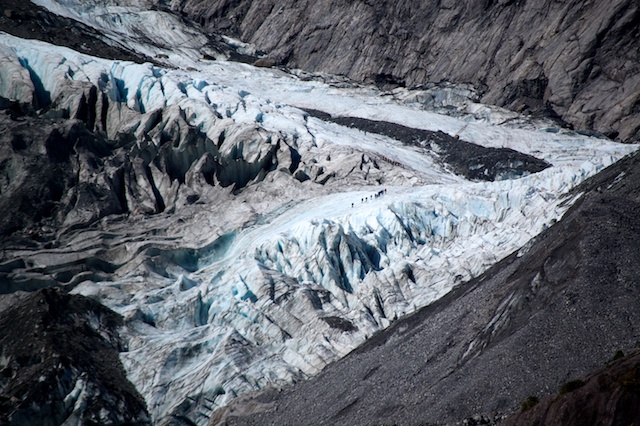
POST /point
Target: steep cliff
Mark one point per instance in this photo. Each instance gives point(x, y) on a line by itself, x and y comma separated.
point(579, 60)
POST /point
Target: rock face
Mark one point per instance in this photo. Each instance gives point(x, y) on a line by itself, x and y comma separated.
point(579, 60)
point(547, 315)
point(59, 363)
point(609, 397)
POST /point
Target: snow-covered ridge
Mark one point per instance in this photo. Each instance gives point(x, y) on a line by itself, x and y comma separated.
point(330, 233)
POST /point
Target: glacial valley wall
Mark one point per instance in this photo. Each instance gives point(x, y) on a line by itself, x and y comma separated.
point(576, 60)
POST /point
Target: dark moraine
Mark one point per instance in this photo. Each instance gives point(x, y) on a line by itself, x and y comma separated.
point(60, 362)
point(467, 159)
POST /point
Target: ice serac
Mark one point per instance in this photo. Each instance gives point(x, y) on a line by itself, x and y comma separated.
point(136, 136)
point(15, 82)
point(578, 60)
point(246, 243)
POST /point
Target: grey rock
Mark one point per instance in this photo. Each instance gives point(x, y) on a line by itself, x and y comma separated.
point(82, 381)
point(609, 396)
point(578, 60)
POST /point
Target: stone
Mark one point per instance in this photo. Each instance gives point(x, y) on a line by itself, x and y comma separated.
point(80, 382)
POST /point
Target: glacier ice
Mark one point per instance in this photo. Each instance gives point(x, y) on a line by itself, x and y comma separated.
point(287, 260)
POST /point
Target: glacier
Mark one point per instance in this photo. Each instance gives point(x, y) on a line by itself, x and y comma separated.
point(261, 243)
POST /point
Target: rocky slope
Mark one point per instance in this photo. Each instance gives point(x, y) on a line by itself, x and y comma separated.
point(578, 60)
point(549, 314)
point(609, 397)
point(27, 20)
point(59, 363)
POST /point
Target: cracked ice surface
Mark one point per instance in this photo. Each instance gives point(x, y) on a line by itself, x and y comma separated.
point(270, 284)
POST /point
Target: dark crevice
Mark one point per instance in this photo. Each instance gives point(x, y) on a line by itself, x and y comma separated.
point(467, 159)
point(104, 112)
point(42, 96)
point(160, 205)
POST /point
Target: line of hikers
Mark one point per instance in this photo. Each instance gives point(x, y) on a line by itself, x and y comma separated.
point(372, 197)
point(390, 161)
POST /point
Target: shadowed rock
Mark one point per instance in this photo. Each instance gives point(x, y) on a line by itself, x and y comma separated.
point(59, 363)
point(609, 397)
